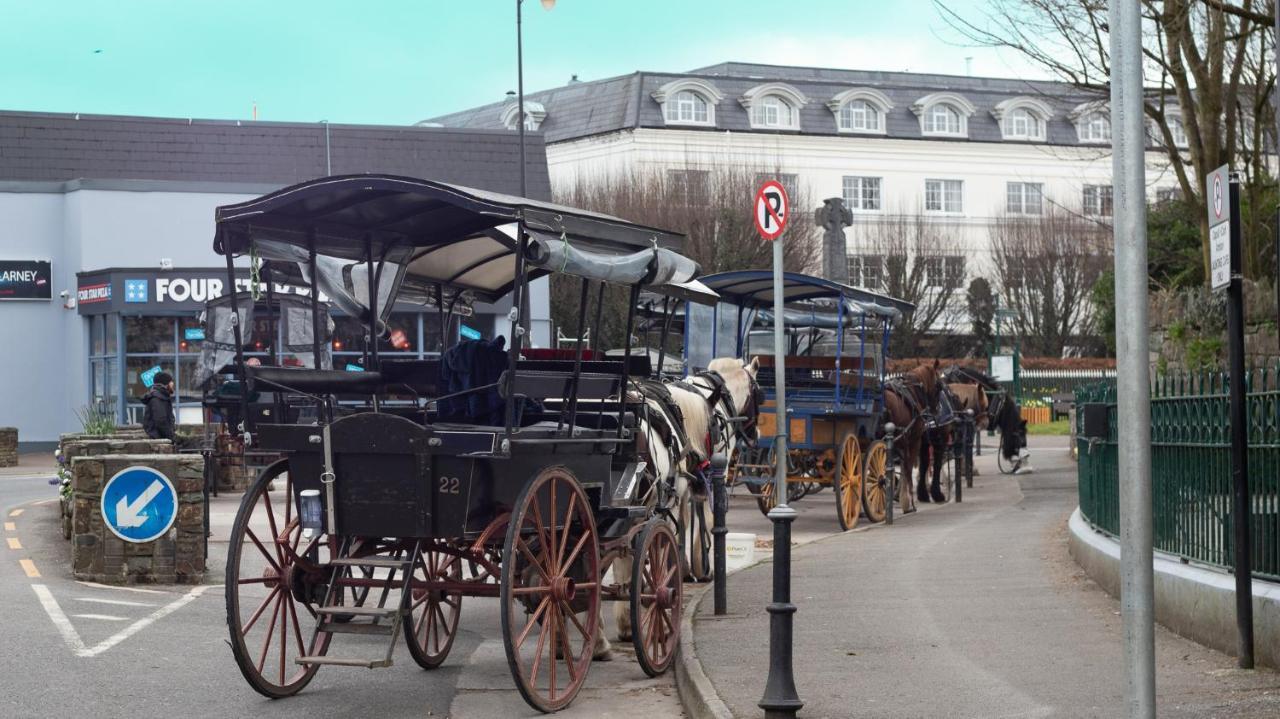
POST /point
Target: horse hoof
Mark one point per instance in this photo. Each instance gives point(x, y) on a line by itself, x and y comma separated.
point(922, 496)
point(938, 496)
point(604, 656)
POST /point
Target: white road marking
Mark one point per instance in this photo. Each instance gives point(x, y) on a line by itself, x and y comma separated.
point(119, 602)
point(15, 513)
point(103, 617)
point(139, 590)
point(72, 637)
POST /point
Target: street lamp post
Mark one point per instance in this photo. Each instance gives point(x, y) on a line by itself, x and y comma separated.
point(521, 299)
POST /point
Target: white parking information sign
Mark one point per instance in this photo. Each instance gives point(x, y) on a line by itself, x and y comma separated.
point(1218, 203)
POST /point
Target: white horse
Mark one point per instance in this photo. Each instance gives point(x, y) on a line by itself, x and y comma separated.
point(709, 402)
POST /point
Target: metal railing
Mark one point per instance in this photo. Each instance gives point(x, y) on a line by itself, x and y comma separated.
point(1191, 467)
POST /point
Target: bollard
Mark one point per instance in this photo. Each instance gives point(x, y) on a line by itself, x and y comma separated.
point(889, 429)
point(719, 506)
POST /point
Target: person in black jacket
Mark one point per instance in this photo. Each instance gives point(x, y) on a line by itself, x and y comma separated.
point(158, 420)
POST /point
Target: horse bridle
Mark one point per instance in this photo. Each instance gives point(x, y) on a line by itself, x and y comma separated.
point(719, 396)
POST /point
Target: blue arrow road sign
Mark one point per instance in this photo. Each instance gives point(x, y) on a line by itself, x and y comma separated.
point(139, 504)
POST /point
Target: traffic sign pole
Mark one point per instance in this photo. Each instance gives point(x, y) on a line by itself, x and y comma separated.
point(780, 697)
point(1240, 507)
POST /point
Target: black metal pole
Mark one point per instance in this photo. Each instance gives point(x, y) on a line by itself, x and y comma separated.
point(957, 459)
point(237, 331)
point(322, 408)
point(1241, 506)
point(781, 700)
point(893, 479)
point(520, 92)
point(572, 408)
point(374, 281)
point(626, 356)
point(595, 326)
point(719, 507)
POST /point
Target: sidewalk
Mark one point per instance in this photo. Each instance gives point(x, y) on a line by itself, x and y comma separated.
point(32, 464)
point(975, 610)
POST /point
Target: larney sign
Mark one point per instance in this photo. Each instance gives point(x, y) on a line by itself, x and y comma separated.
point(25, 280)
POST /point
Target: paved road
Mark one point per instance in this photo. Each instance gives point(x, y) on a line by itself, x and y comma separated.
point(972, 610)
point(76, 650)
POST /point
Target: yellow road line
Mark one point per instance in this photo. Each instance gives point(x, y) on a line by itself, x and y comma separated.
point(10, 527)
point(29, 567)
point(16, 512)
point(14, 543)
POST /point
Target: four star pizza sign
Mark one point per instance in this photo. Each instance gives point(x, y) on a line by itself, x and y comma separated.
point(771, 208)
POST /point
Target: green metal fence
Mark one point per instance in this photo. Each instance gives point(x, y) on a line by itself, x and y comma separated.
point(1191, 467)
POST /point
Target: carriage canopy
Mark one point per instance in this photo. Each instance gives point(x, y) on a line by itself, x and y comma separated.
point(429, 234)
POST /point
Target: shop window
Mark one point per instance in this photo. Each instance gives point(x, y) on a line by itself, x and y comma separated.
point(95, 336)
point(135, 368)
point(190, 334)
point(401, 335)
point(112, 334)
point(187, 389)
point(148, 334)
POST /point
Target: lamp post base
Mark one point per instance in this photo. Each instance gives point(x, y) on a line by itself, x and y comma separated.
point(781, 701)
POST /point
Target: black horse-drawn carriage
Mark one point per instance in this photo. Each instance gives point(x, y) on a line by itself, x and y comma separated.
point(504, 477)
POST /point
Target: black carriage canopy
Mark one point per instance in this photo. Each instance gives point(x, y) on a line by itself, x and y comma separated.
point(425, 234)
point(293, 319)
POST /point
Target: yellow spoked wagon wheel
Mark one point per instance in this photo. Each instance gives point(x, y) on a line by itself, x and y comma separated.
point(848, 482)
point(876, 482)
point(550, 589)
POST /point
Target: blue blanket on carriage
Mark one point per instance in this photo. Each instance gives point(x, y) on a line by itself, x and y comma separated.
point(468, 365)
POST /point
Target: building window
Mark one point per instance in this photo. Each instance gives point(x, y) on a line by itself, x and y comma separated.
point(860, 116)
point(942, 119)
point(688, 106)
point(1097, 200)
point(1163, 194)
point(692, 187)
point(1024, 198)
point(862, 193)
point(866, 271)
point(943, 270)
point(788, 181)
point(945, 196)
point(773, 112)
point(1095, 127)
point(1021, 124)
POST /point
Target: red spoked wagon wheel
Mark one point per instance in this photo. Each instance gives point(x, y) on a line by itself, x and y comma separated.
point(433, 612)
point(550, 593)
point(656, 599)
point(272, 578)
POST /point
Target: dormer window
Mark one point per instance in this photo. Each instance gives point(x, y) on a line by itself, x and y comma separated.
point(943, 114)
point(688, 102)
point(534, 114)
point(688, 106)
point(861, 110)
point(1022, 118)
point(773, 111)
point(774, 106)
point(1093, 124)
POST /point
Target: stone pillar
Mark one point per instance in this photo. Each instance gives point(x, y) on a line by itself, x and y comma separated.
point(98, 555)
point(833, 217)
point(8, 446)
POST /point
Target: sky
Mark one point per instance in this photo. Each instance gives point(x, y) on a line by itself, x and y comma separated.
point(401, 61)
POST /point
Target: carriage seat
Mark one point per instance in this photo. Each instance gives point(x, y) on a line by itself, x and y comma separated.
point(312, 381)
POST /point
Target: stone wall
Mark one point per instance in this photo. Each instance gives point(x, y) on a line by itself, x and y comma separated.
point(1189, 330)
point(89, 446)
point(99, 555)
point(8, 446)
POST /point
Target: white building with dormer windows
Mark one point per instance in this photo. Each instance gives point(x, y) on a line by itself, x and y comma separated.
point(962, 150)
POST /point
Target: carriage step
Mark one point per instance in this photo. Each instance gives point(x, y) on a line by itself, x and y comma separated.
point(360, 611)
point(345, 662)
point(372, 562)
point(356, 628)
point(624, 512)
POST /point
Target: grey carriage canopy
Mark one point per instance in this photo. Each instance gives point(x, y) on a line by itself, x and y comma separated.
point(293, 325)
point(424, 234)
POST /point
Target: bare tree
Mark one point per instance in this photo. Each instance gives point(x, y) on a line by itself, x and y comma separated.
point(1045, 267)
point(1206, 68)
point(911, 256)
point(712, 207)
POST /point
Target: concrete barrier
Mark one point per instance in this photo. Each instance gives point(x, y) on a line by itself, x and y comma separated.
point(99, 555)
point(1197, 602)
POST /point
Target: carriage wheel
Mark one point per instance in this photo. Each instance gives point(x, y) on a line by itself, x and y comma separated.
point(876, 481)
point(550, 587)
point(698, 542)
point(848, 482)
point(656, 600)
point(433, 614)
point(266, 595)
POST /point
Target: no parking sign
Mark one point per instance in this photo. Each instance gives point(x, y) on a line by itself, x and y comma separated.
point(771, 209)
point(139, 504)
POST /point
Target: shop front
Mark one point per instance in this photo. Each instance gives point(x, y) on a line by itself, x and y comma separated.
point(142, 322)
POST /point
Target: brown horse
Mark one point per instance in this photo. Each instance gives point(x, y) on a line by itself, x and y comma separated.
point(909, 400)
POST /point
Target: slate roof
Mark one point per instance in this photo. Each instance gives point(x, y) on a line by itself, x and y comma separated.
point(62, 147)
point(590, 108)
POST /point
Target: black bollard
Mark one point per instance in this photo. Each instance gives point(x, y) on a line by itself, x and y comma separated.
point(891, 490)
point(781, 701)
point(719, 506)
